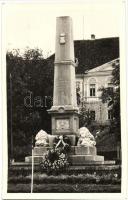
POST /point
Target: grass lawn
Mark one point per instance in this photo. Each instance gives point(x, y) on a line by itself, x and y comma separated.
point(65, 183)
point(64, 188)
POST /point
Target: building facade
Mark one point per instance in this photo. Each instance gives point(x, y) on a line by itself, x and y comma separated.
point(88, 88)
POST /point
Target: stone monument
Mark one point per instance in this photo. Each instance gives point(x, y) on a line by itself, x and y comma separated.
point(64, 112)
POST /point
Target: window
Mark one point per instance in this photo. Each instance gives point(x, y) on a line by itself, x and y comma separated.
point(92, 87)
point(110, 114)
point(92, 90)
point(92, 115)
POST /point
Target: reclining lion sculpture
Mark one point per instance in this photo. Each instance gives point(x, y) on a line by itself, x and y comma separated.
point(85, 138)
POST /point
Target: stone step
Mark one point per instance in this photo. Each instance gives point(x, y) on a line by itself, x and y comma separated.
point(74, 159)
point(108, 164)
point(37, 159)
point(84, 150)
point(39, 151)
point(75, 150)
point(86, 159)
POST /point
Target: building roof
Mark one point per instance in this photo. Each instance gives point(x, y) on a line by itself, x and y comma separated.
point(105, 67)
point(94, 53)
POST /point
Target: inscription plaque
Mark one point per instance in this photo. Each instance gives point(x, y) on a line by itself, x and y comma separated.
point(62, 124)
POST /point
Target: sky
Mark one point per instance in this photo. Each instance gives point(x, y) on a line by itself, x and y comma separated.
point(34, 24)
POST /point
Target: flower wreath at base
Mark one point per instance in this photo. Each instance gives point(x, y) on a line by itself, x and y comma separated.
point(56, 159)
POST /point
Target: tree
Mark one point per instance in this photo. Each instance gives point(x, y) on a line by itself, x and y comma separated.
point(85, 118)
point(111, 96)
point(27, 74)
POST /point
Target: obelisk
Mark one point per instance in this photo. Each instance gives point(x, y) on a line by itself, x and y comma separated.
point(64, 111)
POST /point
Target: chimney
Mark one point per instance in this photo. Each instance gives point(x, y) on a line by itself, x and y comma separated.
point(92, 37)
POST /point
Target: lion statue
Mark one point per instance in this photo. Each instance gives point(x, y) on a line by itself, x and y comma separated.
point(42, 139)
point(85, 138)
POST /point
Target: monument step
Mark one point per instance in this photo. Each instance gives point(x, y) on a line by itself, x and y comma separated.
point(74, 159)
point(108, 165)
point(75, 150)
point(86, 159)
point(37, 159)
point(81, 150)
point(39, 151)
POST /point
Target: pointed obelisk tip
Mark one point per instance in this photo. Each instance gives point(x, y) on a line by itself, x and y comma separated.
point(64, 17)
point(61, 18)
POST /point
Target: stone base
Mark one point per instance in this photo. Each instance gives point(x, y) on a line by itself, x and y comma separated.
point(77, 155)
point(74, 159)
point(75, 150)
point(37, 159)
point(39, 151)
point(106, 165)
point(86, 159)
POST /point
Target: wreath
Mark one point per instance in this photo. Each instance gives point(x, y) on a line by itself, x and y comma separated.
point(56, 159)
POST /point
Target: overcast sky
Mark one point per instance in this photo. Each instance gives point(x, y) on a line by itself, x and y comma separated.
point(34, 24)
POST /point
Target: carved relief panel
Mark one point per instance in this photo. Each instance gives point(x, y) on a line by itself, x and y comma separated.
point(62, 124)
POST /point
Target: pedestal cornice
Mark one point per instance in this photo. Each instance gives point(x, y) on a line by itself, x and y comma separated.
point(64, 109)
point(65, 62)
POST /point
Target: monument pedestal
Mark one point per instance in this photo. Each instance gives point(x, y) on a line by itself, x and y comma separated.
point(64, 122)
point(78, 156)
